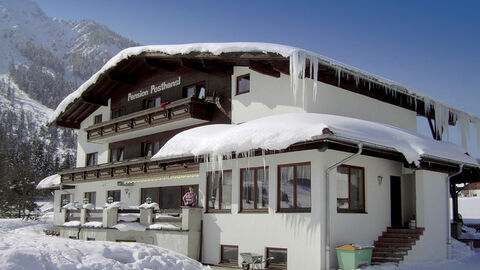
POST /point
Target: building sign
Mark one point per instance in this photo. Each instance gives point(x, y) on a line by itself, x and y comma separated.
point(154, 89)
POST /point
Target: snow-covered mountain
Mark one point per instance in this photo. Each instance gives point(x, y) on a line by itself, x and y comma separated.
point(43, 59)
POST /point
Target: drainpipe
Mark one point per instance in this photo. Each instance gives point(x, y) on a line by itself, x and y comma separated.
point(449, 236)
point(327, 204)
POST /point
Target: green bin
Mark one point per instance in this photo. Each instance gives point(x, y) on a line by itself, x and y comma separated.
point(350, 257)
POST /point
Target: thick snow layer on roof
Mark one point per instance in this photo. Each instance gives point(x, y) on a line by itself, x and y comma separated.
point(51, 181)
point(298, 61)
point(280, 131)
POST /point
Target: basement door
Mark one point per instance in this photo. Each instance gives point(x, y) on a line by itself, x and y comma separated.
point(396, 202)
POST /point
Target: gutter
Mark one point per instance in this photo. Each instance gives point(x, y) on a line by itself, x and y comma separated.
point(449, 233)
point(327, 204)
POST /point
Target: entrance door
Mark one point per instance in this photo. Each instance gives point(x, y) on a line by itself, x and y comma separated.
point(396, 202)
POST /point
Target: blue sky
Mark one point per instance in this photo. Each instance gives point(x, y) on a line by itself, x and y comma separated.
point(429, 46)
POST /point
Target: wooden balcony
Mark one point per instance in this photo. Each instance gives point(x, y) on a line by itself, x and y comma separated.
point(178, 114)
point(133, 168)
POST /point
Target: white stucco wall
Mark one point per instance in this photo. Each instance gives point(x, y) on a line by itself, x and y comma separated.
point(83, 146)
point(269, 95)
point(362, 227)
point(431, 207)
point(301, 233)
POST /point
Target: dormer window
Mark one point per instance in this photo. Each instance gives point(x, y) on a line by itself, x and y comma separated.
point(243, 84)
point(97, 119)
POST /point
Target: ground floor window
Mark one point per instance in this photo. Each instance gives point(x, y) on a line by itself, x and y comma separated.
point(229, 254)
point(254, 188)
point(294, 187)
point(219, 191)
point(64, 199)
point(350, 189)
point(115, 194)
point(90, 197)
point(166, 197)
point(279, 258)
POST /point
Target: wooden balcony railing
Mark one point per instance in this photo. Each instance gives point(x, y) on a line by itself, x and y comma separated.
point(188, 108)
point(137, 167)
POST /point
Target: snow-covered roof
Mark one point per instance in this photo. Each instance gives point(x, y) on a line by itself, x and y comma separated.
point(298, 63)
point(280, 131)
point(50, 182)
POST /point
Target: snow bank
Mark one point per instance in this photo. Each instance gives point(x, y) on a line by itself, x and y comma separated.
point(52, 181)
point(129, 226)
point(93, 224)
point(153, 205)
point(298, 61)
point(74, 223)
point(280, 131)
point(160, 226)
point(23, 246)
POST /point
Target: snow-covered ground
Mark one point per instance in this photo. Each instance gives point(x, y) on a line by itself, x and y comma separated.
point(23, 245)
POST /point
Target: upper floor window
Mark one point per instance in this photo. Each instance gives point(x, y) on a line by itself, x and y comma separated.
point(294, 184)
point(197, 90)
point(150, 148)
point(97, 119)
point(152, 102)
point(92, 159)
point(243, 84)
point(219, 191)
point(350, 189)
point(117, 112)
point(116, 154)
point(254, 188)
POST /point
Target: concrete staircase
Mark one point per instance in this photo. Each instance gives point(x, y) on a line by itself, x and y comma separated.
point(394, 244)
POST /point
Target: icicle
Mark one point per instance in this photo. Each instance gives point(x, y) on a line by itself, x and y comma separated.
point(263, 158)
point(357, 80)
point(464, 122)
point(339, 74)
point(441, 117)
point(314, 62)
point(297, 71)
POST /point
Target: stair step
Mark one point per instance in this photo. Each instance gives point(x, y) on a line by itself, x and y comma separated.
point(401, 235)
point(387, 255)
point(409, 231)
point(392, 244)
point(395, 240)
point(399, 250)
point(385, 260)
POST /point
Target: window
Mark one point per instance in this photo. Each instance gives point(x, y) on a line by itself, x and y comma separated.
point(90, 196)
point(97, 119)
point(118, 112)
point(150, 148)
point(116, 154)
point(279, 256)
point(229, 254)
point(147, 150)
point(350, 189)
point(254, 188)
point(243, 84)
point(64, 199)
point(92, 159)
point(115, 194)
point(197, 90)
point(294, 187)
point(219, 191)
point(152, 102)
point(166, 197)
